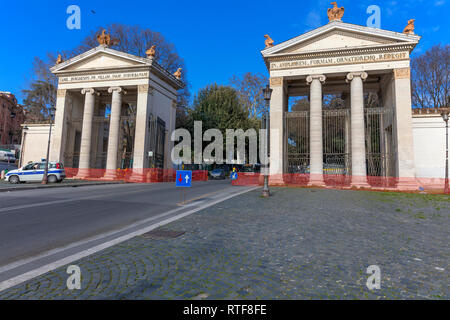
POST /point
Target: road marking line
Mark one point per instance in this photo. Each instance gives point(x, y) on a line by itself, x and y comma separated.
point(202, 196)
point(62, 262)
point(41, 204)
point(22, 262)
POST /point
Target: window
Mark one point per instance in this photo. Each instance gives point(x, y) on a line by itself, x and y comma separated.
point(29, 166)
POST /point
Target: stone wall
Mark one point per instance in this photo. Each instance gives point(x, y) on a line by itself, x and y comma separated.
point(429, 144)
point(34, 143)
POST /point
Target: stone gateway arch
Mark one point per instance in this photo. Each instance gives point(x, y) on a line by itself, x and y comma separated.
point(114, 110)
point(341, 107)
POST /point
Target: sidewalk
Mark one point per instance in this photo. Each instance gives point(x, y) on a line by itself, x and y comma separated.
point(297, 244)
point(8, 187)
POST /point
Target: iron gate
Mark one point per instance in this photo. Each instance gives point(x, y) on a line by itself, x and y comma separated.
point(380, 158)
point(336, 142)
point(297, 141)
point(157, 141)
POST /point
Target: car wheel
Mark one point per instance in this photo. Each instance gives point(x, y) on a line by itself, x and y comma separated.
point(52, 179)
point(14, 180)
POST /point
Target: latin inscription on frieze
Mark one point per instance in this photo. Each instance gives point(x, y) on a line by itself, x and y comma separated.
point(305, 63)
point(104, 77)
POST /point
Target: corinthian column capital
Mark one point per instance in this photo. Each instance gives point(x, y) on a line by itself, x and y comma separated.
point(320, 77)
point(363, 75)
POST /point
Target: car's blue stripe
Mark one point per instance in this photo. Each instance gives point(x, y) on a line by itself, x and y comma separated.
point(24, 173)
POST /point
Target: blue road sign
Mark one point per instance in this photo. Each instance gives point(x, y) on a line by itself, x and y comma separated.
point(234, 176)
point(184, 179)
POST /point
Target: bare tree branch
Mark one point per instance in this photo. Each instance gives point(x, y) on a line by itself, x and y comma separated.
point(430, 78)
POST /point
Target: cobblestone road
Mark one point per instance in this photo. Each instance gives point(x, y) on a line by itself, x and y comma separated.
point(299, 244)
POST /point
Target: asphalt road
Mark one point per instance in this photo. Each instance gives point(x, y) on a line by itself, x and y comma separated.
point(38, 221)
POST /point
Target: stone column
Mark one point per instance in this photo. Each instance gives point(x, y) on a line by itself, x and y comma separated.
point(169, 142)
point(359, 173)
point(406, 171)
point(86, 133)
point(114, 128)
point(59, 131)
point(277, 109)
point(141, 135)
point(316, 132)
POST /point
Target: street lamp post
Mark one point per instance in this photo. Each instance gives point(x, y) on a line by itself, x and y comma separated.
point(45, 178)
point(445, 114)
point(266, 125)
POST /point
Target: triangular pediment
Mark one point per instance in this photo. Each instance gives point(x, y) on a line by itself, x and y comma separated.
point(337, 39)
point(98, 59)
point(337, 36)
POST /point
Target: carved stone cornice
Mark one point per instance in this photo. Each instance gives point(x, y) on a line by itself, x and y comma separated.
point(431, 111)
point(340, 52)
point(320, 77)
point(330, 58)
point(363, 75)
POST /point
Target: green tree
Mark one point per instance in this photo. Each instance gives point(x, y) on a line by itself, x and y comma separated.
point(219, 107)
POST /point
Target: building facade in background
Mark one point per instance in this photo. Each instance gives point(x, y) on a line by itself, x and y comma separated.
point(11, 118)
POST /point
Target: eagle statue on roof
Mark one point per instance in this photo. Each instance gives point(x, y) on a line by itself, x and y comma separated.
point(335, 13)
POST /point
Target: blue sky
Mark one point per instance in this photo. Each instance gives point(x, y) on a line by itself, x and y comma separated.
point(217, 39)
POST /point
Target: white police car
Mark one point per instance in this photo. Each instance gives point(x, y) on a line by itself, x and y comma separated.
point(34, 172)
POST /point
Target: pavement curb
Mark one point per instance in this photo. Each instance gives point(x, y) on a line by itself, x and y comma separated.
point(51, 186)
